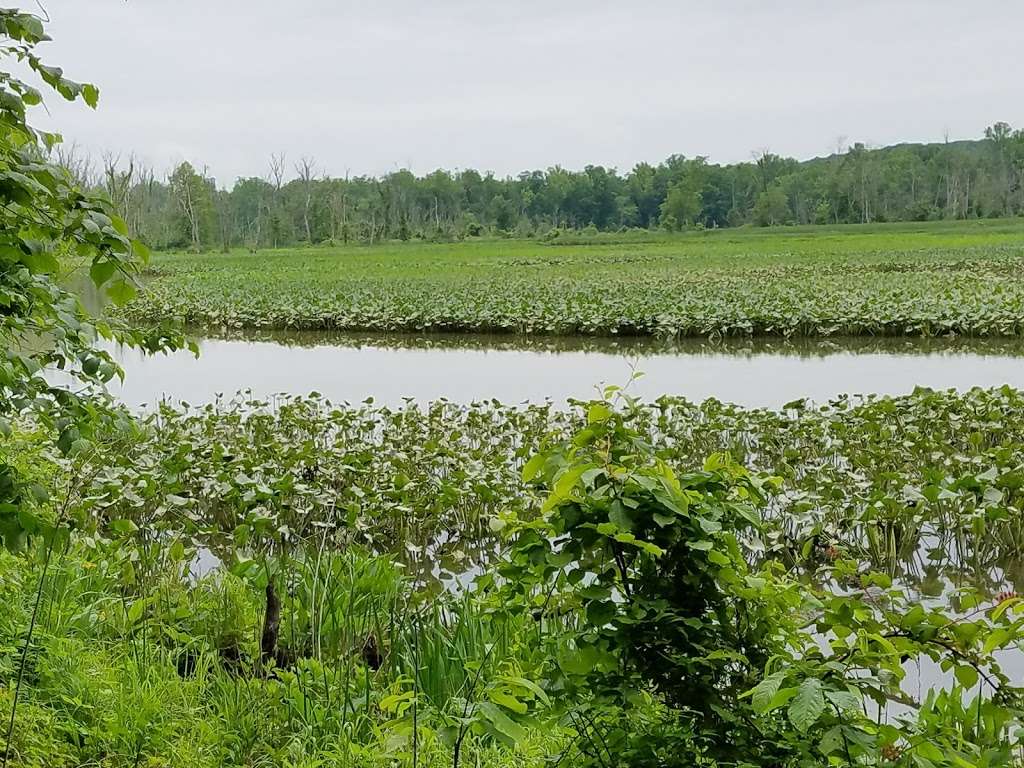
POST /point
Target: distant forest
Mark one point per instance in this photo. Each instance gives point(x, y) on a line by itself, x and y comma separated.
point(294, 203)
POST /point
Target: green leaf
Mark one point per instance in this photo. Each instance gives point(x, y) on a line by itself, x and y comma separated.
point(808, 705)
point(966, 675)
point(648, 547)
point(91, 94)
point(763, 692)
point(930, 752)
point(135, 611)
point(509, 702)
point(121, 292)
point(718, 558)
point(832, 740)
point(597, 413)
point(996, 639)
point(845, 701)
point(101, 272)
point(177, 552)
point(913, 617)
point(781, 698)
point(42, 262)
point(533, 466)
point(123, 526)
point(141, 251)
point(617, 514)
point(600, 613)
point(529, 685)
point(579, 662)
point(506, 728)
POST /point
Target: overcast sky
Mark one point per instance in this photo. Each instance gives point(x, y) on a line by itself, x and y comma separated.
point(369, 86)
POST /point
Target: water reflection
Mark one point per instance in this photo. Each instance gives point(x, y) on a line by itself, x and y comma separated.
point(754, 373)
point(801, 346)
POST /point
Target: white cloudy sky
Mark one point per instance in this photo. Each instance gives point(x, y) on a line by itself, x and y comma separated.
point(367, 86)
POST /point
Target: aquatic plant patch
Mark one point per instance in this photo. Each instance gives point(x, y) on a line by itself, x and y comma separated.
point(925, 281)
point(302, 583)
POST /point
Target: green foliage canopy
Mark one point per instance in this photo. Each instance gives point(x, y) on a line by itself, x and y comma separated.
point(961, 180)
point(51, 366)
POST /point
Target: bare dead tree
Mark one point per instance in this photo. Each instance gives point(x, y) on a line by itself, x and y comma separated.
point(77, 162)
point(305, 169)
point(277, 166)
point(225, 218)
point(337, 206)
point(145, 193)
point(119, 182)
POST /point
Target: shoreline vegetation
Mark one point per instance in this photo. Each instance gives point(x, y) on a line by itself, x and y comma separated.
point(871, 280)
point(384, 549)
point(733, 346)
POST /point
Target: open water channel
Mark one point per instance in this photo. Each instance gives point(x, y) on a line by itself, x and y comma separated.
point(754, 373)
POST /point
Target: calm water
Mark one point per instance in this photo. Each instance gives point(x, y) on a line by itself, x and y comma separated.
point(390, 368)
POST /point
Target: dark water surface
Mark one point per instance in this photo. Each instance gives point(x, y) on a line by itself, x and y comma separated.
point(757, 373)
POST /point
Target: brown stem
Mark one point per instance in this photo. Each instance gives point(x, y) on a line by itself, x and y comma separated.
point(271, 626)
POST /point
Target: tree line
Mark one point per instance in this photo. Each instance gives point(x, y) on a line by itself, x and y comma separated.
point(295, 203)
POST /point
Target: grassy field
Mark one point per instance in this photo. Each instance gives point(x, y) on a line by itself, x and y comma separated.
point(919, 279)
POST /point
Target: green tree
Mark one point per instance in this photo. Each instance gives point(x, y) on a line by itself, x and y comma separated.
point(193, 196)
point(772, 207)
point(503, 213)
point(644, 194)
point(770, 167)
point(681, 207)
point(1002, 139)
point(667, 602)
point(859, 184)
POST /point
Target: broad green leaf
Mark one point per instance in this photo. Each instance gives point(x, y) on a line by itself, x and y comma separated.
point(808, 705)
point(598, 412)
point(136, 610)
point(529, 685)
point(508, 729)
point(101, 272)
point(121, 292)
point(533, 466)
point(966, 675)
point(763, 692)
point(845, 701)
point(509, 702)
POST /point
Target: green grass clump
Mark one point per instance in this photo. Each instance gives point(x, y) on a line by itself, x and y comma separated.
point(925, 279)
point(107, 684)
